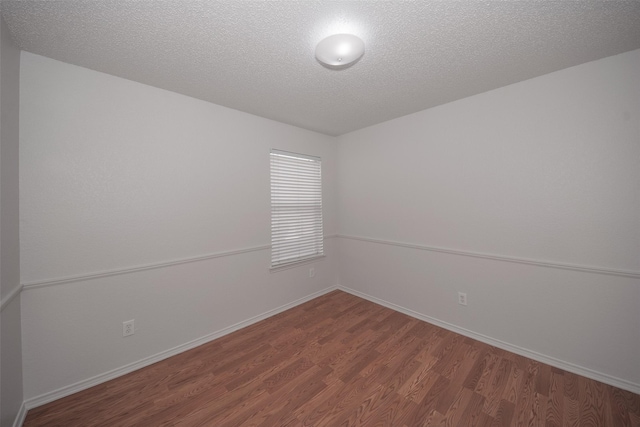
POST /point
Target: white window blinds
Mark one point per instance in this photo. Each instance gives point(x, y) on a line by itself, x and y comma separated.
point(296, 208)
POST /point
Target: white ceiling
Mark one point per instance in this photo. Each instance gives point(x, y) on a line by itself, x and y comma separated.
point(258, 57)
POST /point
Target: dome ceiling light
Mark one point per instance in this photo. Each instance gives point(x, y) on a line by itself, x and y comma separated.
point(340, 50)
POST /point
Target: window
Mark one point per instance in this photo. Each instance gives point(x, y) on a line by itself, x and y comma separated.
point(296, 208)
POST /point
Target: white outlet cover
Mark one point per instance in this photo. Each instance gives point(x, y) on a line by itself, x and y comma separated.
point(128, 328)
point(462, 298)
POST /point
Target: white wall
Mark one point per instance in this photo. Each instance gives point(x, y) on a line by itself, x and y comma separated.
point(116, 175)
point(546, 171)
point(10, 332)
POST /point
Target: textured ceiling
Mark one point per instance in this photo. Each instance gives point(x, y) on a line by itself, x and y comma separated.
point(258, 57)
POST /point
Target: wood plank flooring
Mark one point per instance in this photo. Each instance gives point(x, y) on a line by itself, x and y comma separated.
point(339, 360)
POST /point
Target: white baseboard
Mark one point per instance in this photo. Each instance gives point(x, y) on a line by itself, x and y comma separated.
point(552, 361)
point(115, 373)
point(22, 414)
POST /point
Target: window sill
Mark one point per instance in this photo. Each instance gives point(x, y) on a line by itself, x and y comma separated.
point(295, 264)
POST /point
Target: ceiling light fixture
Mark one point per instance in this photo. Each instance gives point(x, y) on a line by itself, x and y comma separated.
point(339, 50)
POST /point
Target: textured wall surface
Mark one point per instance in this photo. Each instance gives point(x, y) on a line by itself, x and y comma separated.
point(9, 136)
point(10, 331)
point(116, 174)
point(258, 57)
point(11, 365)
point(545, 170)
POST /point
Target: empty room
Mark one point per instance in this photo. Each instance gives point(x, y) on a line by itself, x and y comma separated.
point(319, 213)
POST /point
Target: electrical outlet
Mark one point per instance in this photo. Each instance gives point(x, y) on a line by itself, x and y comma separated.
point(462, 298)
point(312, 272)
point(128, 328)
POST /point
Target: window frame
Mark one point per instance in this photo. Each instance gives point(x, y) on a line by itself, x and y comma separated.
point(296, 208)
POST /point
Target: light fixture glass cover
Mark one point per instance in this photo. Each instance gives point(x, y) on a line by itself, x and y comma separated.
point(339, 50)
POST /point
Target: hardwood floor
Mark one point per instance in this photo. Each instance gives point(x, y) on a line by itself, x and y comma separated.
point(339, 360)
